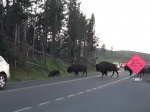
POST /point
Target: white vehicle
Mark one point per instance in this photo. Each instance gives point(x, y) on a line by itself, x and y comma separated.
point(4, 73)
point(117, 64)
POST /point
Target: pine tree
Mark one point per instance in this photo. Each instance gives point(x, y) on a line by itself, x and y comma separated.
point(74, 11)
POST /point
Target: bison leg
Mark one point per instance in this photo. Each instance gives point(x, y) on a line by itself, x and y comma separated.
point(139, 74)
point(76, 74)
point(49, 75)
point(117, 74)
point(102, 74)
point(105, 73)
point(112, 74)
point(130, 73)
point(59, 74)
point(84, 73)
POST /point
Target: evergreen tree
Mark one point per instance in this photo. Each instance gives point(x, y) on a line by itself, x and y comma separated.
point(57, 27)
point(92, 40)
point(103, 48)
point(72, 26)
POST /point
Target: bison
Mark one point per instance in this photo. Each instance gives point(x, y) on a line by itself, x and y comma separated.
point(126, 68)
point(143, 71)
point(148, 71)
point(101, 69)
point(77, 68)
point(104, 67)
point(54, 73)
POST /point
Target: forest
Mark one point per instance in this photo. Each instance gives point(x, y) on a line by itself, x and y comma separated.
point(41, 28)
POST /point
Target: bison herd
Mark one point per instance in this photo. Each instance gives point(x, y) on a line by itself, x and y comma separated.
point(145, 71)
point(104, 67)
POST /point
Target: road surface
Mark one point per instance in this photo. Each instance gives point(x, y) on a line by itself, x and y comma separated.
point(77, 94)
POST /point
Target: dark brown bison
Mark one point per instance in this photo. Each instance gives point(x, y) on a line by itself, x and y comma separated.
point(104, 67)
point(143, 72)
point(101, 69)
point(54, 73)
point(126, 68)
point(76, 68)
point(148, 71)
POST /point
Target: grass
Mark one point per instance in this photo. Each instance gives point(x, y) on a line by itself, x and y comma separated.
point(31, 72)
point(28, 72)
point(119, 56)
point(109, 60)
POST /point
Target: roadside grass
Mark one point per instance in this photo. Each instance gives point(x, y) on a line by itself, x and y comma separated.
point(109, 60)
point(32, 72)
point(53, 65)
point(59, 65)
point(28, 72)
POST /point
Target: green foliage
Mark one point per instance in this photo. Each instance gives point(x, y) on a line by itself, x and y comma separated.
point(31, 72)
point(92, 40)
point(28, 72)
point(56, 27)
point(4, 48)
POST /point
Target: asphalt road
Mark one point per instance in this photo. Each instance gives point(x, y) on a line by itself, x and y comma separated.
point(77, 94)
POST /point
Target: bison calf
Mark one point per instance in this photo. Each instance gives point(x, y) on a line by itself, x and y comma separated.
point(54, 73)
point(77, 68)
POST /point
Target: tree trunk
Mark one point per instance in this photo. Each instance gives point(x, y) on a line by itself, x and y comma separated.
point(1, 22)
point(33, 42)
point(16, 34)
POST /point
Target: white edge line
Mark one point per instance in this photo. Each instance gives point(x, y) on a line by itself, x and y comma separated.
point(44, 79)
point(94, 88)
point(88, 90)
point(52, 84)
point(71, 95)
point(27, 108)
point(108, 84)
point(47, 84)
point(59, 99)
point(99, 86)
point(80, 93)
point(43, 103)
